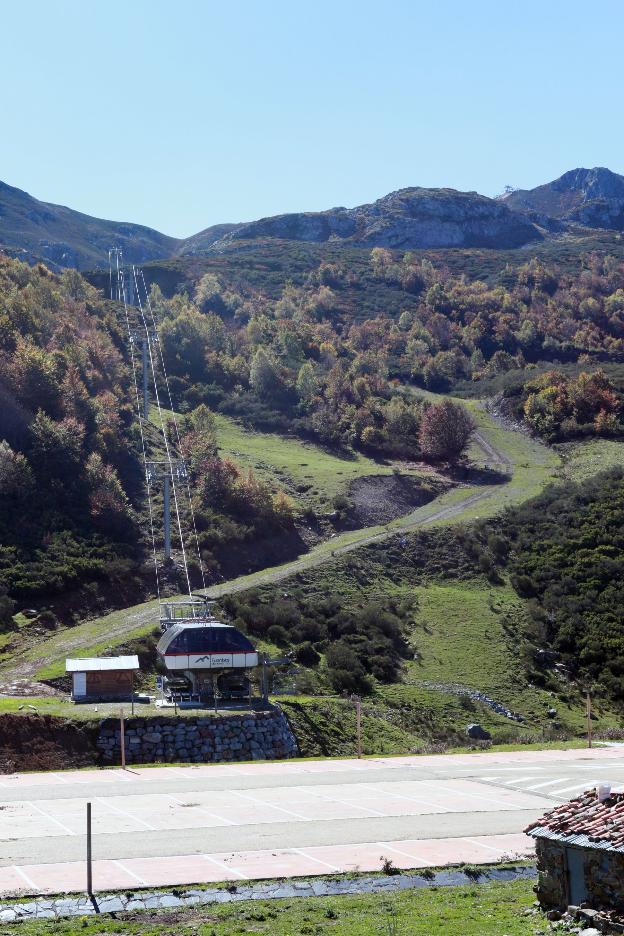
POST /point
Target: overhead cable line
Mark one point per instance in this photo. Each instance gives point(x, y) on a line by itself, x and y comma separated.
point(175, 420)
point(121, 292)
point(164, 433)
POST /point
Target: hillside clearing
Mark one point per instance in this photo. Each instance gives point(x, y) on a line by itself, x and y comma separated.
point(312, 475)
point(533, 466)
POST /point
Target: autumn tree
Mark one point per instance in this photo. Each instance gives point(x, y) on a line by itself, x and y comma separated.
point(445, 431)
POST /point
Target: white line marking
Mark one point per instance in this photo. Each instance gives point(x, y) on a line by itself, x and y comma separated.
point(368, 809)
point(129, 872)
point(225, 867)
point(538, 786)
point(519, 780)
point(201, 809)
point(488, 799)
point(50, 818)
point(480, 844)
point(122, 812)
point(415, 799)
point(577, 786)
point(28, 880)
point(300, 851)
point(603, 766)
point(259, 802)
point(505, 769)
point(399, 851)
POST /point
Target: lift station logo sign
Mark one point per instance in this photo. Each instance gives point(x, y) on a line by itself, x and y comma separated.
point(212, 660)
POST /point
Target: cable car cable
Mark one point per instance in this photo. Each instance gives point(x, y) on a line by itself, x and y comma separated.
point(175, 423)
point(164, 432)
point(122, 291)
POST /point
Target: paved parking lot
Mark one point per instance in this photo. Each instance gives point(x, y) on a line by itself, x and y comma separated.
point(177, 825)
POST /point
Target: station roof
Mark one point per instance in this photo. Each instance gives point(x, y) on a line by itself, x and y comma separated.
point(99, 664)
point(585, 821)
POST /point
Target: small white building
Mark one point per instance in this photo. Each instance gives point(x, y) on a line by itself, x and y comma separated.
point(102, 678)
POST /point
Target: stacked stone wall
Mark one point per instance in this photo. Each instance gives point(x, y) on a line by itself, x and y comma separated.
point(200, 739)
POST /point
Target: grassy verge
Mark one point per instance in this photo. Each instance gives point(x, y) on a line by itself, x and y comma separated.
point(582, 460)
point(480, 910)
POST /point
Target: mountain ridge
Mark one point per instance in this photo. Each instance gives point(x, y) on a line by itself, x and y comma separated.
point(64, 237)
point(409, 218)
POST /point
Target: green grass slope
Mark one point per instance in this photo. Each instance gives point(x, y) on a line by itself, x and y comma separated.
point(312, 475)
point(476, 910)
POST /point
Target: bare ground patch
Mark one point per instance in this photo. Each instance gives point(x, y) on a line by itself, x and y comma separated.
point(376, 499)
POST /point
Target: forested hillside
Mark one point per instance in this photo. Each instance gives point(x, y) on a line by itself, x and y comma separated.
point(335, 352)
point(74, 526)
point(68, 469)
point(564, 553)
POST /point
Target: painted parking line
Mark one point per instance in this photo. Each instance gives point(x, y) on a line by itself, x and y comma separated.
point(258, 802)
point(611, 757)
point(50, 818)
point(472, 841)
point(130, 873)
point(538, 786)
point(577, 786)
point(509, 769)
point(224, 867)
point(123, 812)
point(300, 851)
point(22, 874)
point(202, 810)
point(351, 805)
point(415, 799)
point(480, 796)
point(397, 851)
point(250, 865)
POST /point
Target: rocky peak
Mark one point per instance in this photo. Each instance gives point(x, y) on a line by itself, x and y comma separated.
point(590, 197)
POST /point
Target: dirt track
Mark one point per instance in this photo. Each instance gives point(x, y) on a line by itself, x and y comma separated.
point(21, 671)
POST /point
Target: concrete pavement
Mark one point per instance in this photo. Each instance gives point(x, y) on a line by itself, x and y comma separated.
point(182, 825)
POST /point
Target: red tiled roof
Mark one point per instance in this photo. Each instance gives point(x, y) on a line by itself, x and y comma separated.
point(601, 822)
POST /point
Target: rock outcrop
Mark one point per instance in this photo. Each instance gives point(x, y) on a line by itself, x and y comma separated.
point(409, 218)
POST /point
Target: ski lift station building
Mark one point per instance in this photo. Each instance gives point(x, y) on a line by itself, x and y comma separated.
point(102, 679)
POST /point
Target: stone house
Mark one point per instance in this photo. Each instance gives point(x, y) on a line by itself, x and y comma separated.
point(580, 852)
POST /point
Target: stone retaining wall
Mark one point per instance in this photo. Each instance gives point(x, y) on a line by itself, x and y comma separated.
point(203, 738)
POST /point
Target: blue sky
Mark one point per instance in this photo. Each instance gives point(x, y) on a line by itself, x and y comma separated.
point(184, 114)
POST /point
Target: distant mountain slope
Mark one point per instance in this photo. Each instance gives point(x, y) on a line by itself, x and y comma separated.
point(200, 242)
point(409, 218)
point(66, 238)
point(591, 197)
